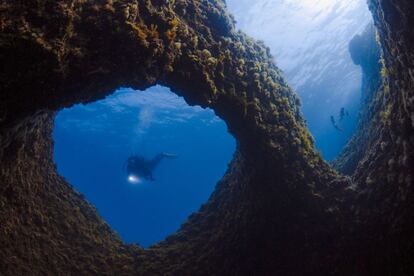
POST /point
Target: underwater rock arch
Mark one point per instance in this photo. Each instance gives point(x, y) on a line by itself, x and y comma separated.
point(279, 203)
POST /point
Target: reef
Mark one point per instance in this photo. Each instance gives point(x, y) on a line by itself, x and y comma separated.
point(279, 209)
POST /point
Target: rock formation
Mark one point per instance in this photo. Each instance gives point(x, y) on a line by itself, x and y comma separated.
point(280, 208)
point(365, 52)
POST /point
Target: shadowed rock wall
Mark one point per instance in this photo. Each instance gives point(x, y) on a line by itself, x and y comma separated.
point(365, 52)
point(279, 209)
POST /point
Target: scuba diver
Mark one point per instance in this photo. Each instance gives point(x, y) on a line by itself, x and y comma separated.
point(138, 167)
point(342, 114)
point(335, 125)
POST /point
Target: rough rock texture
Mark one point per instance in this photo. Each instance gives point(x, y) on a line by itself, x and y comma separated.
point(376, 161)
point(280, 209)
point(365, 52)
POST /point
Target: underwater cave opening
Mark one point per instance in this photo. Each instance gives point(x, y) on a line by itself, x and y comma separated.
point(93, 144)
point(310, 43)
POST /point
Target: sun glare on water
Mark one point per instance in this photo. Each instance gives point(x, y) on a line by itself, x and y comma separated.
point(314, 4)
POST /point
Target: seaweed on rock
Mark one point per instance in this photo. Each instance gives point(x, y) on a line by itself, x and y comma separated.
point(280, 208)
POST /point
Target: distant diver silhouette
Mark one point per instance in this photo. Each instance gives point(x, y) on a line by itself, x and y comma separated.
point(342, 114)
point(138, 167)
point(335, 125)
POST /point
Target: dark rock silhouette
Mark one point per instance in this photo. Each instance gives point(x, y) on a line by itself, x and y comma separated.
point(279, 210)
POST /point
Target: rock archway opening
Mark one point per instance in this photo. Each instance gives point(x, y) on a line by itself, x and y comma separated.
point(98, 147)
point(278, 197)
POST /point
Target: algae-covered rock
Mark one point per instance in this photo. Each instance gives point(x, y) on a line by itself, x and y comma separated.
point(279, 209)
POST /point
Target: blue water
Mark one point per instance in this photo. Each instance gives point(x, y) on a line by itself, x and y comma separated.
point(92, 143)
point(317, 111)
point(309, 41)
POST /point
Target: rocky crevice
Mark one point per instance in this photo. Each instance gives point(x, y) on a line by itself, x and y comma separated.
point(365, 52)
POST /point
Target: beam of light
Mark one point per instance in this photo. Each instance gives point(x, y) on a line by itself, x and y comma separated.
point(134, 179)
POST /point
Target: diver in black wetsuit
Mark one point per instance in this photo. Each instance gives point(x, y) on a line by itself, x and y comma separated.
point(140, 167)
point(342, 114)
point(334, 124)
